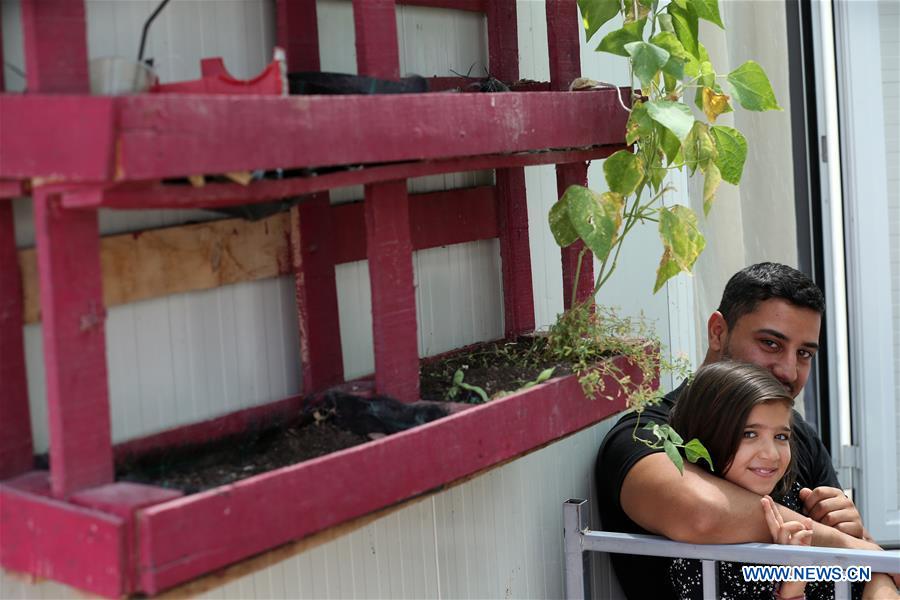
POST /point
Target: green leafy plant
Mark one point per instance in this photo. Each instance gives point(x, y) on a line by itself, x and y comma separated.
point(670, 441)
point(459, 384)
point(669, 66)
point(541, 378)
point(667, 62)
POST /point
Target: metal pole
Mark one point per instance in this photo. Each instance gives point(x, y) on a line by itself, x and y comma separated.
point(841, 590)
point(710, 579)
point(578, 566)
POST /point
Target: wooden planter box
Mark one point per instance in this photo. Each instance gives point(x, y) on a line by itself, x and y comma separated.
point(75, 153)
point(124, 538)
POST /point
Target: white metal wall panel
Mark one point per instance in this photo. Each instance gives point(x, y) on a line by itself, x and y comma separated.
point(188, 357)
point(498, 535)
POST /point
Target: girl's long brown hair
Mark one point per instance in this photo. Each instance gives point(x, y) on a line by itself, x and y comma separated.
point(715, 405)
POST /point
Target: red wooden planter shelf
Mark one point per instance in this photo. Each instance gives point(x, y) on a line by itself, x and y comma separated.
point(148, 137)
point(135, 538)
point(75, 153)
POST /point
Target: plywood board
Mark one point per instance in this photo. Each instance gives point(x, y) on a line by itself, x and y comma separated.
point(150, 264)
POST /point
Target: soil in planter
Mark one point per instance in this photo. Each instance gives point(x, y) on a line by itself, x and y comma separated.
point(200, 467)
point(502, 366)
point(340, 421)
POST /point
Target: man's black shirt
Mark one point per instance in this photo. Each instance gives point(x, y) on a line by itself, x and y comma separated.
point(645, 577)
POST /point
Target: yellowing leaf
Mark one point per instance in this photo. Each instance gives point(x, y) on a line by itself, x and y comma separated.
point(713, 104)
point(624, 172)
point(682, 242)
point(699, 148)
point(710, 185)
point(563, 231)
point(639, 123)
point(596, 217)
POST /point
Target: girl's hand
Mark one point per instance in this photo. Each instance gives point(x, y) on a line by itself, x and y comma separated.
point(794, 533)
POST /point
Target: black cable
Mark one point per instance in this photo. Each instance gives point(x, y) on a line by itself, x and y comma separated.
point(147, 24)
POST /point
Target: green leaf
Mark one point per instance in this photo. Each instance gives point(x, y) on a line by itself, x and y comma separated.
point(596, 217)
point(594, 13)
point(624, 172)
point(673, 435)
point(682, 242)
point(685, 24)
point(699, 148)
point(639, 123)
point(678, 56)
point(646, 60)
point(563, 231)
point(702, 54)
point(708, 10)
point(545, 375)
point(695, 450)
point(752, 88)
point(674, 456)
point(670, 144)
point(614, 41)
point(731, 150)
point(665, 22)
point(710, 185)
point(681, 3)
point(541, 378)
point(641, 11)
point(458, 377)
point(476, 389)
point(656, 172)
point(675, 116)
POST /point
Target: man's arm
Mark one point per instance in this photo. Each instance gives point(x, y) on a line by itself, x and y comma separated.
point(701, 508)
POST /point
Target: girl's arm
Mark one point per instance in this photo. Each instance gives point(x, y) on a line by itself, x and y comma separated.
point(795, 533)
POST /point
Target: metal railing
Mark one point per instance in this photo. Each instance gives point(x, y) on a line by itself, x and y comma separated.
point(579, 541)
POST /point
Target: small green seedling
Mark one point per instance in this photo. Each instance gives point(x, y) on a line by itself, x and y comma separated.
point(459, 384)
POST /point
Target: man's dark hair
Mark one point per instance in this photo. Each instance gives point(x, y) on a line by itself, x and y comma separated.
point(763, 281)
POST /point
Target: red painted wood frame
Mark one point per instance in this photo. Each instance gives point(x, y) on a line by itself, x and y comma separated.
point(135, 195)
point(159, 136)
point(38, 142)
point(73, 323)
point(388, 238)
point(312, 228)
point(15, 420)
point(68, 251)
point(515, 253)
point(564, 50)
point(301, 499)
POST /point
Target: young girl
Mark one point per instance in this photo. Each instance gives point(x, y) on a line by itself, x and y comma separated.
point(742, 414)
